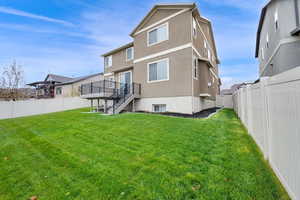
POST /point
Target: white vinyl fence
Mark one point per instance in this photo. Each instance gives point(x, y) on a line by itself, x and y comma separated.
point(270, 110)
point(12, 109)
point(224, 101)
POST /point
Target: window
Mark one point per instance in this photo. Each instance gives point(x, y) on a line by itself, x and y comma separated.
point(195, 65)
point(262, 53)
point(267, 44)
point(58, 91)
point(158, 34)
point(276, 20)
point(129, 53)
point(110, 82)
point(208, 54)
point(194, 28)
point(159, 108)
point(158, 71)
point(108, 61)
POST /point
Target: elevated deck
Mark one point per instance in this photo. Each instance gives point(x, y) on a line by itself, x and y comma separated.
point(121, 94)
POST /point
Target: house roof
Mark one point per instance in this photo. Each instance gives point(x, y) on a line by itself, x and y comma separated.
point(260, 25)
point(118, 49)
point(78, 79)
point(157, 6)
point(57, 78)
point(165, 6)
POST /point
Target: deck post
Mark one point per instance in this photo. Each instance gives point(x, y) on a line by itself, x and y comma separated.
point(91, 105)
point(105, 106)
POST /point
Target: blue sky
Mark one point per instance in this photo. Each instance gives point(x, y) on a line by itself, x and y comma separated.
point(67, 37)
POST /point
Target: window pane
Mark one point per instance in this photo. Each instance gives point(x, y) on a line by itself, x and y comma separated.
point(106, 61)
point(129, 53)
point(153, 36)
point(110, 61)
point(153, 72)
point(162, 33)
point(162, 70)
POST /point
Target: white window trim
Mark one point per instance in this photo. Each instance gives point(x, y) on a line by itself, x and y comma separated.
point(194, 68)
point(262, 53)
point(276, 20)
point(153, 105)
point(194, 27)
point(168, 70)
point(267, 39)
point(61, 91)
point(132, 54)
point(121, 73)
point(157, 27)
point(107, 66)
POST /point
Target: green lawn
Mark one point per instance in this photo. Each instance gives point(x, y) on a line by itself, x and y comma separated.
point(74, 155)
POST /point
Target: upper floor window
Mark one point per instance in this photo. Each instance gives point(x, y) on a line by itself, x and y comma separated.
point(158, 34)
point(208, 54)
point(262, 53)
point(107, 61)
point(129, 53)
point(194, 27)
point(158, 70)
point(267, 39)
point(276, 20)
point(195, 65)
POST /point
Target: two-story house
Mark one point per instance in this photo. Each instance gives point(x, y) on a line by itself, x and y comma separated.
point(171, 65)
point(278, 40)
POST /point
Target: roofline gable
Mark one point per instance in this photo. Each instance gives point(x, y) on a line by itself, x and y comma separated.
point(260, 25)
point(161, 6)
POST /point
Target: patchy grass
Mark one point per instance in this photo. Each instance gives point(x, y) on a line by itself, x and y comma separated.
point(74, 155)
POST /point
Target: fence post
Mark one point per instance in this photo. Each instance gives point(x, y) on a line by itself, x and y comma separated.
point(250, 109)
point(266, 125)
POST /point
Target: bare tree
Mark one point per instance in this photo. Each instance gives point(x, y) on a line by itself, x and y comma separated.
point(11, 80)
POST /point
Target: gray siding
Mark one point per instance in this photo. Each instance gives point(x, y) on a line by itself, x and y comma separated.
point(285, 58)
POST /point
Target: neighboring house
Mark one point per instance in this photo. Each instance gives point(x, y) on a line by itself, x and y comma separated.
point(45, 89)
point(72, 87)
point(232, 89)
point(171, 65)
point(278, 41)
point(62, 86)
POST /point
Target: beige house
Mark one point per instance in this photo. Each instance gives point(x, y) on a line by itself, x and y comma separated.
point(171, 65)
point(72, 87)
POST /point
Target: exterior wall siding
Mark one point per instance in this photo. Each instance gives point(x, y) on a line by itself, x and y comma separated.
point(179, 34)
point(173, 104)
point(119, 62)
point(159, 15)
point(180, 73)
point(278, 57)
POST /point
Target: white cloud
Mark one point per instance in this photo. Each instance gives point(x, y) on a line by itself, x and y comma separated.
point(34, 29)
point(12, 11)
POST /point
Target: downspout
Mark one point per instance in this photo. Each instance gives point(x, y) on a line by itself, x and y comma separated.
point(296, 31)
